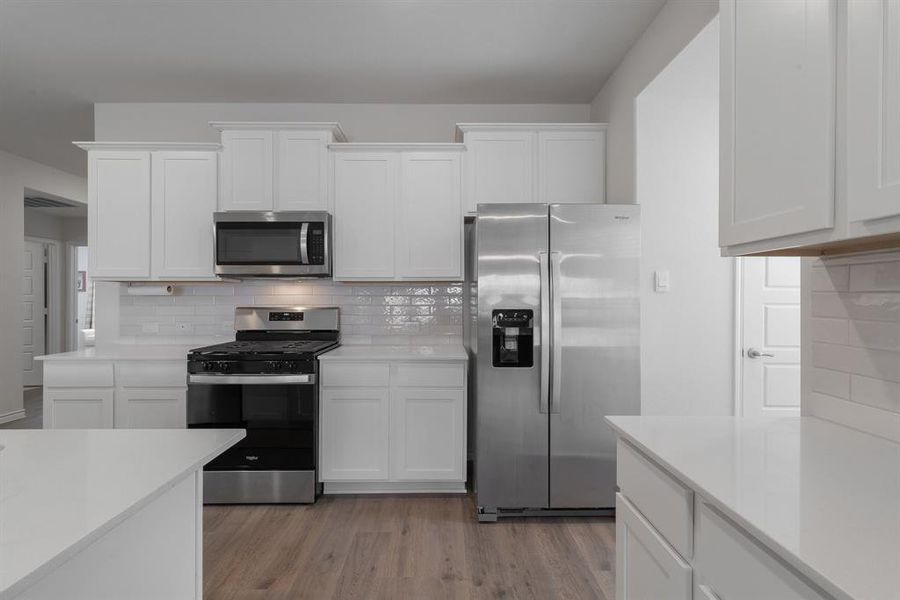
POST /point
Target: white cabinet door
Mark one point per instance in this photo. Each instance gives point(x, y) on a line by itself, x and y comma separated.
point(365, 191)
point(119, 214)
point(78, 408)
point(353, 434)
point(183, 202)
point(499, 167)
point(429, 244)
point(247, 170)
point(873, 109)
point(572, 166)
point(778, 119)
point(427, 435)
point(647, 568)
point(150, 408)
point(301, 170)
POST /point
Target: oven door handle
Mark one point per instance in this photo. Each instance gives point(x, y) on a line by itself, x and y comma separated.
point(307, 379)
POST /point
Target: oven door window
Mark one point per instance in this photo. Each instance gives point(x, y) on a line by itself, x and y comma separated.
point(279, 419)
point(259, 243)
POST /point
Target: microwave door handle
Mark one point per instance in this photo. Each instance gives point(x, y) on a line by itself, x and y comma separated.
point(304, 250)
point(545, 333)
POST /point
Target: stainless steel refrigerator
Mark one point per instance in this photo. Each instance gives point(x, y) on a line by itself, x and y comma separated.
point(555, 349)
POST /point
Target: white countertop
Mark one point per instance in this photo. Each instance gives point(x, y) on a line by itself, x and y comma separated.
point(825, 498)
point(62, 489)
point(375, 352)
point(127, 352)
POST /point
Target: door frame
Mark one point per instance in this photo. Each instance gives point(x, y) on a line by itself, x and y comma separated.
point(53, 290)
point(738, 353)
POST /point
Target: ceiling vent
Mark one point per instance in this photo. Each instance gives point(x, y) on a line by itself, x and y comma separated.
point(37, 202)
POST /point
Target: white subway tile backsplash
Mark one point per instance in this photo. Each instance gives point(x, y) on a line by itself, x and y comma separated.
point(833, 331)
point(833, 383)
point(874, 334)
point(875, 277)
point(378, 313)
point(830, 279)
point(875, 392)
point(855, 329)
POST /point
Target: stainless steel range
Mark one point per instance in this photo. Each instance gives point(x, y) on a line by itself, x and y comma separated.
point(265, 382)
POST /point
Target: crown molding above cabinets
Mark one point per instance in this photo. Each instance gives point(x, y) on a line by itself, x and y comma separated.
point(149, 146)
point(332, 126)
point(810, 133)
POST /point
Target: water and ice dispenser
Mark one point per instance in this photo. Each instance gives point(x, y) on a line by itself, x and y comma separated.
point(513, 337)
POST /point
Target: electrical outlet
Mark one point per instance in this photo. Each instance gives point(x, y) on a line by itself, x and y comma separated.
point(183, 327)
point(150, 328)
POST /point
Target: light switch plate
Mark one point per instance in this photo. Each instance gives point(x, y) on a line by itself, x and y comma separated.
point(661, 281)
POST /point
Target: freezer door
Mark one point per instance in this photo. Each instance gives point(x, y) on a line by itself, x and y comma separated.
point(595, 254)
point(511, 467)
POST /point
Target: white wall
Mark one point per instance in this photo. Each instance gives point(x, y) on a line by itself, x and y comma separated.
point(176, 121)
point(675, 25)
point(687, 333)
point(16, 174)
point(64, 229)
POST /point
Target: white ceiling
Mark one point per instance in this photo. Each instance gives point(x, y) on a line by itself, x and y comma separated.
point(59, 57)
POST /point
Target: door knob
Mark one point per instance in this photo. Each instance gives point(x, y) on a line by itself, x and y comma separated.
point(754, 353)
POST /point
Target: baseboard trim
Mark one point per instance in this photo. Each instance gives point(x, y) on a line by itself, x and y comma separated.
point(394, 487)
point(12, 416)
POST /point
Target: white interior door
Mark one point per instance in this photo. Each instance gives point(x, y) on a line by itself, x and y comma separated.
point(35, 311)
point(770, 336)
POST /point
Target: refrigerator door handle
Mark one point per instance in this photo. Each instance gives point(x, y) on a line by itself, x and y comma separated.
point(556, 336)
point(545, 333)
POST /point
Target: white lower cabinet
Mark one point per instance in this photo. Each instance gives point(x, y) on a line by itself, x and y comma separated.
point(647, 567)
point(392, 427)
point(78, 408)
point(719, 562)
point(127, 394)
point(427, 435)
point(150, 408)
point(353, 429)
point(734, 567)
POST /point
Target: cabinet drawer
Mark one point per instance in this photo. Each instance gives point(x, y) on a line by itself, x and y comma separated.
point(735, 567)
point(428, 375)
point(646, 566)
point(356, 374)
point(662, 499)
point(152, 375)
point(78, 374)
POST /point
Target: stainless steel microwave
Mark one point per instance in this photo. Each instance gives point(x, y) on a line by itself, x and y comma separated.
point(273, 244)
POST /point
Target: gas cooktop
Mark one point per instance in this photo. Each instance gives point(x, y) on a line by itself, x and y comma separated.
point(261, 349)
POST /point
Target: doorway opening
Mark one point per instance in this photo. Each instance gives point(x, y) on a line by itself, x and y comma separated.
point(767, 336)
point(54, 278)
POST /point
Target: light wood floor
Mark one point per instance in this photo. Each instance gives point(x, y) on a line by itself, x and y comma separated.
point(34, 411)
point(415, 547)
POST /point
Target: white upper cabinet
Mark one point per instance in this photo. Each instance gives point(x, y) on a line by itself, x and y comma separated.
point(365, 190)
point(572, 166)
point(777, 118)
point(533, 162)
point(247, 170)
point(430, 214)
point(397, 212)
point(275, 166)
point(499, 167)
point(183, 201)
point(301, 170)
point(150, 210)
point(873, 109)
point(119, 213)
